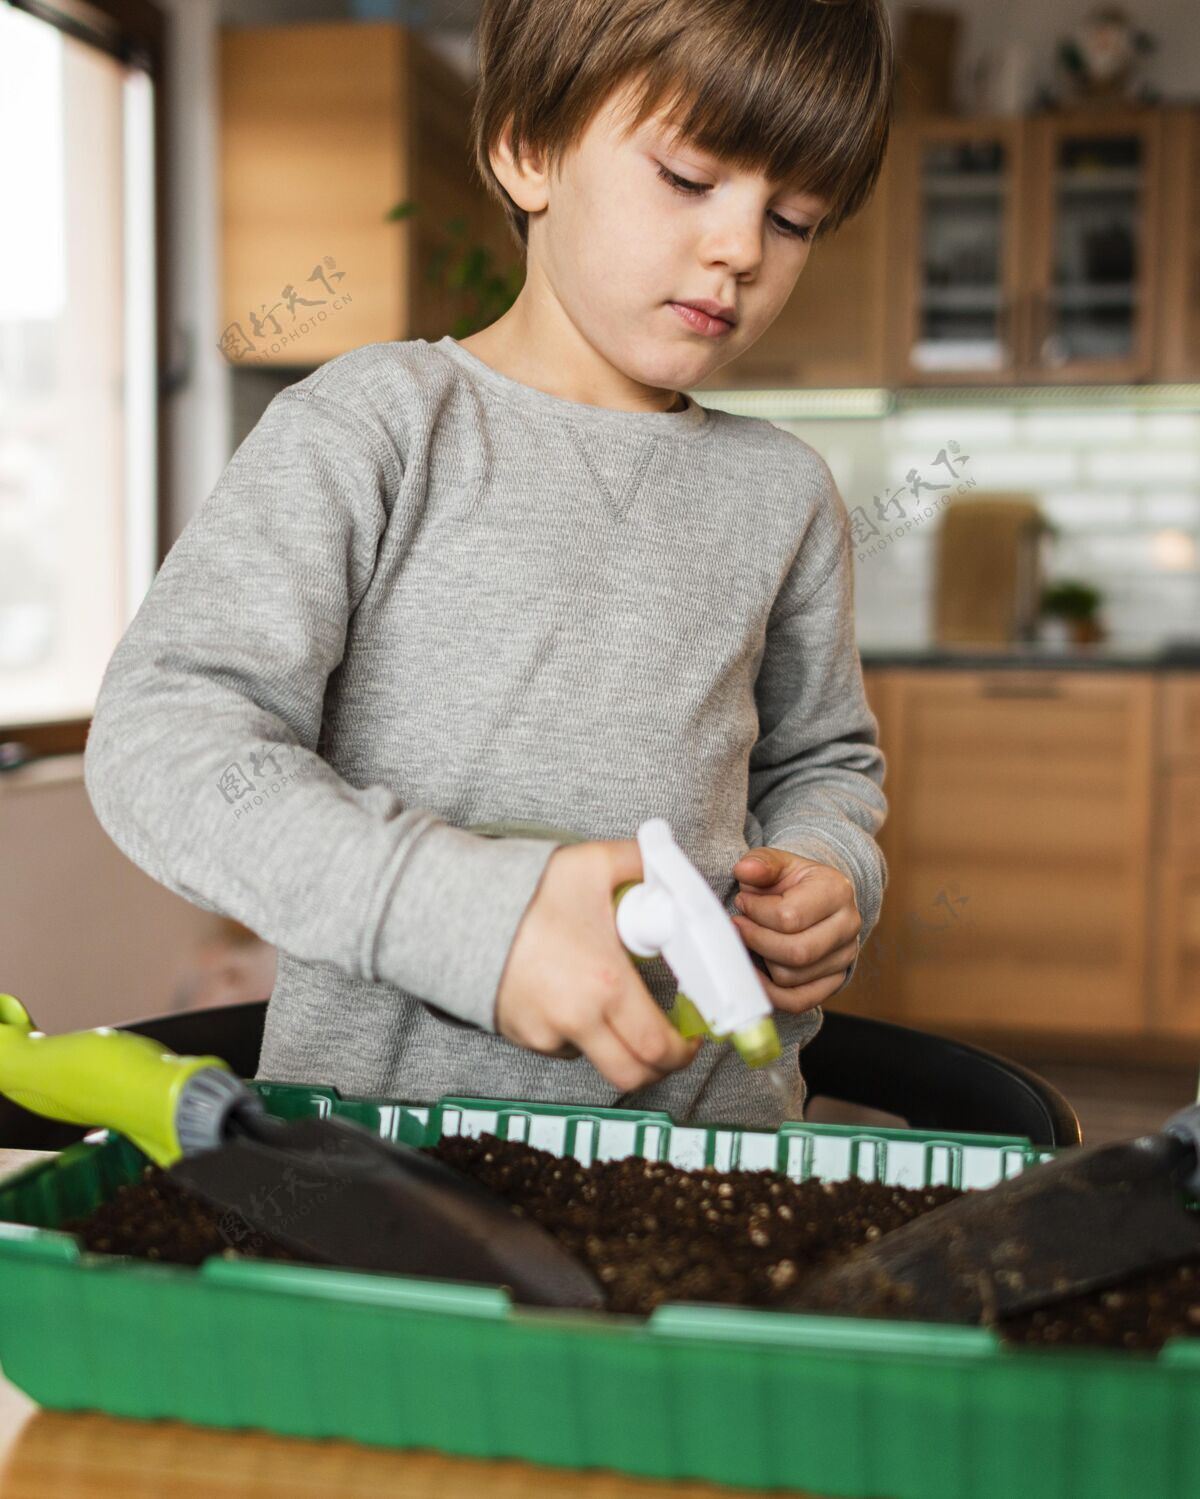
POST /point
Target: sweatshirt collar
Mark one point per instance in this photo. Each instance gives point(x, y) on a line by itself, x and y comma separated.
point(690, 422)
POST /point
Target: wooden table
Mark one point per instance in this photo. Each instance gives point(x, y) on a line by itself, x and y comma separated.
point(87, 1455)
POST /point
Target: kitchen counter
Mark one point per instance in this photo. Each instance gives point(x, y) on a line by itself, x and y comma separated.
point(87, 1455)
point(1168, 655)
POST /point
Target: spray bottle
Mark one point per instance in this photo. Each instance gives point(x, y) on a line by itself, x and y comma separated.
point(672, 912)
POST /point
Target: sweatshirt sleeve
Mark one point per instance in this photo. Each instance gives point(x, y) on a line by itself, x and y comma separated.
point(816, 770)
point(215, 694)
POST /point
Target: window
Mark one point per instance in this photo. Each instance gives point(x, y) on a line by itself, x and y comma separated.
point(78, 415)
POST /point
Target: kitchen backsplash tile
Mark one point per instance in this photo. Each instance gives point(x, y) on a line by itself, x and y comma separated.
point(1172, 426)
point(1024, 468)
point(1086, 508)
point(1141, 464)
point(969, 424)
point(1121, 486)
point(1176, 508)
point(1074, 429)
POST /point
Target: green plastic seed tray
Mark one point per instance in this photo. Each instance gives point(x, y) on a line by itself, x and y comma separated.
point(756, 1398)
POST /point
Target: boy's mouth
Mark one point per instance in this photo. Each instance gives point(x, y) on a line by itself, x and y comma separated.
point(706, 317)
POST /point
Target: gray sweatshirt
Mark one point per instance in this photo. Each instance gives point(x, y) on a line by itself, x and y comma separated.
point(423, 596)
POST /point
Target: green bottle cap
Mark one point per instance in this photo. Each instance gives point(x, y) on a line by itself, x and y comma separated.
point(758, 1043)
point(687, 1019)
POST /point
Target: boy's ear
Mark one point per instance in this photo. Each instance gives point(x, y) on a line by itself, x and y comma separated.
point(525, 183)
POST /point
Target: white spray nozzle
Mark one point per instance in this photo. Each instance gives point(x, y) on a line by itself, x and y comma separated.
point(673, 912)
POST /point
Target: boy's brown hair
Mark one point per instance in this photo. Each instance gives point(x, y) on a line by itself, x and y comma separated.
point(799, 90)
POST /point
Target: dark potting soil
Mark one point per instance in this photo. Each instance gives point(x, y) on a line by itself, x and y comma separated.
point(651, 1232)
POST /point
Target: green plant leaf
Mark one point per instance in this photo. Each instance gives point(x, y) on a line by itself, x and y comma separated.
point(1070, 598)
point(469, 271)
point(475, 263)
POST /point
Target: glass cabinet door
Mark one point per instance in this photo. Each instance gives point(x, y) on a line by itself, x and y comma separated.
point(961, 180)
point(1090, 285)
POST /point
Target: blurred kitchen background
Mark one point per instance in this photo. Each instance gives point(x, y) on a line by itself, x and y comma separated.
point(999, 359)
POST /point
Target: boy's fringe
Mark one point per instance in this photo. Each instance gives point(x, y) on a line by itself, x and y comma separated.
point(799, 90)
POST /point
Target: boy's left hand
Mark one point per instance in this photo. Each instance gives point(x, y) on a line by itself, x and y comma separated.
point(803, 918)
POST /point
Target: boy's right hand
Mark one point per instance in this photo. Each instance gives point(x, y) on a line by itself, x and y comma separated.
point(570, 987)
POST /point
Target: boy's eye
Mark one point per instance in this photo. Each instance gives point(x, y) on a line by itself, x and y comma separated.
point(785, 226)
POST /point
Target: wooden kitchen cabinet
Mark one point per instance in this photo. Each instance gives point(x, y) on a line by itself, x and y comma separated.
point(1018, 848)
point(324, 128)
point(1178, 334)
point(1091, 281)
point(1058, 247)
point(1179, 713)
point(1175, 966)
point(955, 238)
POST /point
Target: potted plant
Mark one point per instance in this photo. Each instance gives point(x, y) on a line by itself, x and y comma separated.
point(469, 274)
point(1076, 604)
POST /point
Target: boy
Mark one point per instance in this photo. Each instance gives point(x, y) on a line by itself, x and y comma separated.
point(523, 578)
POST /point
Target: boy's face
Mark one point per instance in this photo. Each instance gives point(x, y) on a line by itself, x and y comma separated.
point(618, 245)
